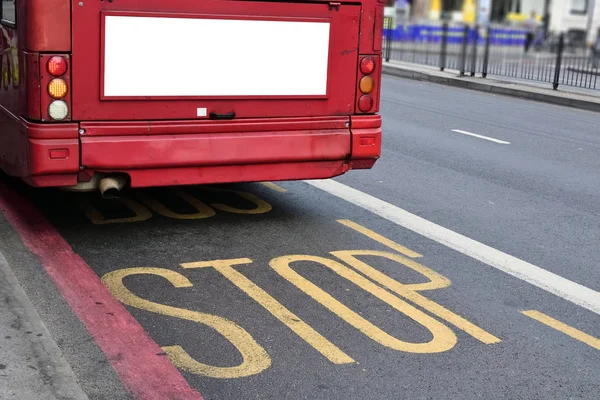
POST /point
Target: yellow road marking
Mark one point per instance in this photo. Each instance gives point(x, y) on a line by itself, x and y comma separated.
point(274, 187)
point(443, 338)
point(381, 239)
point(262, 206)
point(203, 210)
point(291, 320)
point(564, 328)
point(96, 217)
point(436, 281)
point(255, 358)
point(142, 211)
point(409, 291)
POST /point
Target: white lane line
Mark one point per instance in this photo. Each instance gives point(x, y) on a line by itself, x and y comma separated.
point(555, 284)
point(480, 136)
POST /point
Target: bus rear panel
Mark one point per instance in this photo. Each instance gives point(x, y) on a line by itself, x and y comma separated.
point(162, 93)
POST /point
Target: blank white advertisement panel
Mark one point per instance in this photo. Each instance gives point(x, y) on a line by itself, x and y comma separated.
point(157, 56)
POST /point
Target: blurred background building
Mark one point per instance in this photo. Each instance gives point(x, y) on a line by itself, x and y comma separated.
point(580, 17)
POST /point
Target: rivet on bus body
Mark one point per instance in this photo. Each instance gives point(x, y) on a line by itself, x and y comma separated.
point(81, 4)
point(82, 131)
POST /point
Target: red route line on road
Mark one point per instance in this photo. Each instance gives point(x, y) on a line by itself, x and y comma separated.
point(138, 360)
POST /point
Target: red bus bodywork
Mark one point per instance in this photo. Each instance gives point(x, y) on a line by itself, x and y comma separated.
point(160, 139)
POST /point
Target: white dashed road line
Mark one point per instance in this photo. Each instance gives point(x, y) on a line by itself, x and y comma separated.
point(480, 136)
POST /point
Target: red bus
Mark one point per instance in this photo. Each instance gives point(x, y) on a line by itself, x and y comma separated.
point(106, 93)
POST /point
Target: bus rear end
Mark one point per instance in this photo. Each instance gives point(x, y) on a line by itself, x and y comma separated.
point(176, 92)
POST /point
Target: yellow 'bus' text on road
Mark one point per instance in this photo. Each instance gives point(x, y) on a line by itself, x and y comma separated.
point(203, 210)
point(142, 210)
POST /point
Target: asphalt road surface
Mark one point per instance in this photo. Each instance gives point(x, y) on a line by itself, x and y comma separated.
point(463, 266)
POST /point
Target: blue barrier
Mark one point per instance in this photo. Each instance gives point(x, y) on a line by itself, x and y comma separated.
point(433, 34)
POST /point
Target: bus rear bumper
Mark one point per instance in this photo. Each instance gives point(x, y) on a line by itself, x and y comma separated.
point(183, 154)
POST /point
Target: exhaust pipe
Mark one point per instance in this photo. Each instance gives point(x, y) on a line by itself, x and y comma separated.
point(110, 187)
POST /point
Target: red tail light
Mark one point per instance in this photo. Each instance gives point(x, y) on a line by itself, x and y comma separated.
point(365, 103)
point(55, 101)
point(57, 66)
point(367, 65)
point(367, 93)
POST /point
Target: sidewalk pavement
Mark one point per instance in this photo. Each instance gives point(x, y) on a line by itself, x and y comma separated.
point(585, 99)
point(31, 364)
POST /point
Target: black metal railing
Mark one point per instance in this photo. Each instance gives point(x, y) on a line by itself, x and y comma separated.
point(471, 50)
